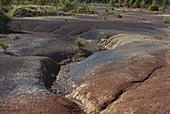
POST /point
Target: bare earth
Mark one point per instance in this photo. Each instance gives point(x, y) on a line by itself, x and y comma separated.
point(123, 68)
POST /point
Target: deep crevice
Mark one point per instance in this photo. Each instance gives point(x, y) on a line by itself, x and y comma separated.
point(149, 75)
point(106, 104)
point(49, 69)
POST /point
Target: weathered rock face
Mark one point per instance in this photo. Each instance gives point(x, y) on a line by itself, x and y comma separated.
point(132, 76)
point(40, 102)
point(103, 77)
point(151, 96)
point(26, 75)
point(80, 25)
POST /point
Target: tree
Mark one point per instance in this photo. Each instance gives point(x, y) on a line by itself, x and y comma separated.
point(111, 3)
point(143, 3)
point(120, 3)
point(136, 4)
point(153, 6)
point(125, 3)
point(131, 2)
point(164, 5)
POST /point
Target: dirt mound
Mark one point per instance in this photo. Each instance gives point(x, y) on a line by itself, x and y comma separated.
point(41, 102)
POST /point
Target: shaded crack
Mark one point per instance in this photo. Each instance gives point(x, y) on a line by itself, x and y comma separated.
point(119, 94)
point(54, 30)
point(149, 75)
point(107, 103)
point(11, 53)
point(49, 69)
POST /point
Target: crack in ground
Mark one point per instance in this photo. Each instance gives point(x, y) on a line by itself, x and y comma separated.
point(53, 30)
point(106, 104)
point(149, 75)
point(119, 94)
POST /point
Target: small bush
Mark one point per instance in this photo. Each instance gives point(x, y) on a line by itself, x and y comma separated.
point(104, 17)
point(16, 37)
point(80, 43)
point(106, 10)
point(164, 20)
point(118, 15)
point(4, 46)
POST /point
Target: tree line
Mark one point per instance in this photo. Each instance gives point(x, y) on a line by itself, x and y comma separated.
point(43, 2)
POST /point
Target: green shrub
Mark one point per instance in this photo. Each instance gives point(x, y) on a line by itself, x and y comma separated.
point(80, 43)
point(106, 10)
point(4, 46)
point(16, 37)
point(4, 20)
point(118, 15)
point(164, 20)
point(104, 17)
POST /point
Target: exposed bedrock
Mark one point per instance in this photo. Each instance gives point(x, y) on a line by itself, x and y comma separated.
point(26, 75)
point(130, 76)
point(103, 77)
point(80, 25)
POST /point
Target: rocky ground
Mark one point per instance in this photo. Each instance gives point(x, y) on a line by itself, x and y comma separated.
point(123, 68)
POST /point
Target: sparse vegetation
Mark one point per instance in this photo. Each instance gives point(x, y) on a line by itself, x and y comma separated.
point(118, 15)
point(4, 46)
point(103, 17)
point(16, 37)
point(65, 20)
point(79, 42)
point(164, 20)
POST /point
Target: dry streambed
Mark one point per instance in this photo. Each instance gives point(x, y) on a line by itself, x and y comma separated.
point(130, 75)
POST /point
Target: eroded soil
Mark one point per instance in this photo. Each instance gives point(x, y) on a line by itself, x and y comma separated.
point(123, 68)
